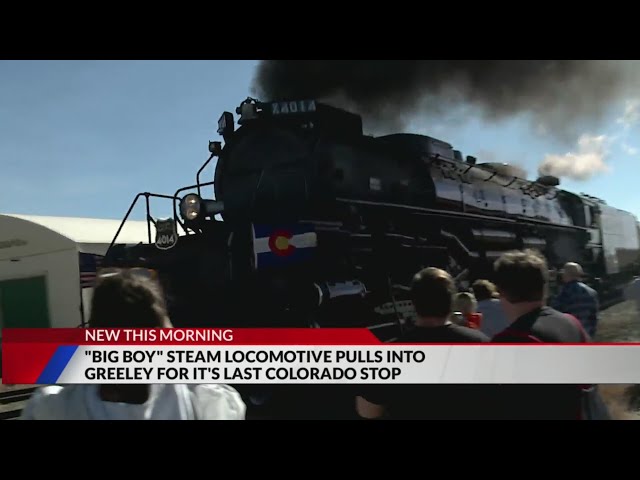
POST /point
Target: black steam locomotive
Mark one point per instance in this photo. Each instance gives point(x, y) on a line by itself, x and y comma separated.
point(316, 224)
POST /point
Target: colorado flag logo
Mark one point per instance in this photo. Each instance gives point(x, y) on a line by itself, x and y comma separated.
point(278, 245)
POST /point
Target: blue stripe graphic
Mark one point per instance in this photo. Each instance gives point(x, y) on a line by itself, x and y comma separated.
point(56, 365)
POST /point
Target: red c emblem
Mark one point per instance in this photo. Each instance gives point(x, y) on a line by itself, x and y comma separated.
point(279, 243)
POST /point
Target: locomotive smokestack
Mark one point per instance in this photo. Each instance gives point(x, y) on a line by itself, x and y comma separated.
point(559, 94)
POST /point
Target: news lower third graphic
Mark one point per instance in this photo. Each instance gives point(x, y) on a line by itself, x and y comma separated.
point(296, 356)
point(206, 365)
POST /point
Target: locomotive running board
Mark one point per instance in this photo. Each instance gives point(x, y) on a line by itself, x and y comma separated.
point(453, 214)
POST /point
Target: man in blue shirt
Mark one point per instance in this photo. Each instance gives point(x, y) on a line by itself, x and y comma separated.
point(578, 299)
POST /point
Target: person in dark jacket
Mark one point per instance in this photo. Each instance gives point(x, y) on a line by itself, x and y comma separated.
point(432, 292)
point(522, 279)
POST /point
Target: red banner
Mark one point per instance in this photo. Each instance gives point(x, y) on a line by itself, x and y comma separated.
point(191, 336)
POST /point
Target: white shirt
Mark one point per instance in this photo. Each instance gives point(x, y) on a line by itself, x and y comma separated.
point(494, 319)
point(166, 402)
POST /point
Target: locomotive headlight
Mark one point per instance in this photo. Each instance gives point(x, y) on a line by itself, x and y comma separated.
point(190, 206)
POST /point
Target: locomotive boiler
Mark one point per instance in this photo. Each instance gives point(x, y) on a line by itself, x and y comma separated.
point(316, 224)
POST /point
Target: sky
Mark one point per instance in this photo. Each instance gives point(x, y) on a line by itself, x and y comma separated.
point(82, 138)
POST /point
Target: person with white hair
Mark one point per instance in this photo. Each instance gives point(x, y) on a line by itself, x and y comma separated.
point(578, 299)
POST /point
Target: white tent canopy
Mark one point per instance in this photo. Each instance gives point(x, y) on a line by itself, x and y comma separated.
point(27, 235)
point(43, 280)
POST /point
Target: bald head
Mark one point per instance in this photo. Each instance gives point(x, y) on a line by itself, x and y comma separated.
point(571, 272)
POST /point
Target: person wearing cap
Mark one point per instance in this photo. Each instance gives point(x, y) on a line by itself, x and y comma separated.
point(577, 298)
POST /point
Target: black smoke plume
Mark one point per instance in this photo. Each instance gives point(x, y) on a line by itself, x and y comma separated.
point(558, 94)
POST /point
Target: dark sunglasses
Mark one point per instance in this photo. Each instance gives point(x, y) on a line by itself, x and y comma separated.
point(136, 272)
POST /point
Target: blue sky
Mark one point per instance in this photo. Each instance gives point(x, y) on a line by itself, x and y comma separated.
point(82, 138)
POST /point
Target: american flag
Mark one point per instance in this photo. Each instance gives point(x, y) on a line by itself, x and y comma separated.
point(89, 265)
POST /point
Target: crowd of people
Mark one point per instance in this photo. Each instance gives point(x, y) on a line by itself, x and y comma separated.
point(514, 308)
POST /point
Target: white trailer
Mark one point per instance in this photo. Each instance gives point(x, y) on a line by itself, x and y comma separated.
point(40, 263)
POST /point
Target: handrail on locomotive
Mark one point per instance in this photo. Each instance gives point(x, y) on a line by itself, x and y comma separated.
point(214, 148)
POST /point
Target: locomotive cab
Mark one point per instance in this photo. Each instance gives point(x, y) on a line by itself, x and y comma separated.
point(274, 165)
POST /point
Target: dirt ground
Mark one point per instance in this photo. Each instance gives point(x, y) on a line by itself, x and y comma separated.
point(621, 323)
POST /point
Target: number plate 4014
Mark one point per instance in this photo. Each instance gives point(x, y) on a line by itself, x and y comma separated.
point(299, 106)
